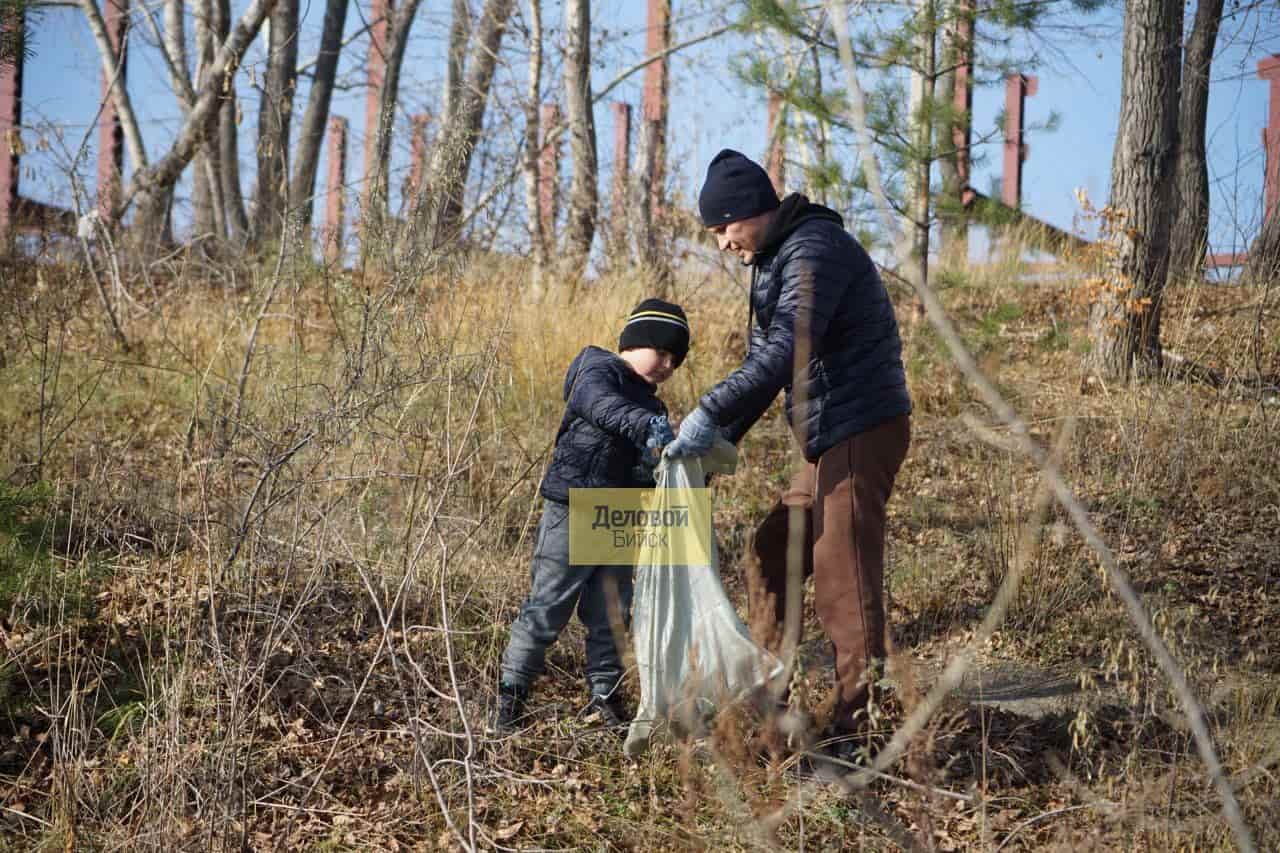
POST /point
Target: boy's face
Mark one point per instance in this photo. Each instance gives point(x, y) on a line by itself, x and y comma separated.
point(655, 366)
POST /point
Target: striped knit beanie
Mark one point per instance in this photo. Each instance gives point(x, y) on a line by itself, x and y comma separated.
point(657, 324)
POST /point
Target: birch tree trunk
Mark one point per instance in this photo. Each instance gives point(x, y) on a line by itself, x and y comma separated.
point(532, 148)
point(1125, 318)
point(275, 114)
point(207, 214)
point(1190, 236)
point(451, 157)
point(583, 197)
point(149, 184)
point(316, 117)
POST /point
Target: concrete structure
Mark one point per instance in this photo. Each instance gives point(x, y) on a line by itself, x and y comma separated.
point(1269, 70)
point(110, 131)
point(418, 159)
point(655, 101)
point(549, 173)
point(10, 121)
point(621, 162)
point(335, 198)
point(1017, 87)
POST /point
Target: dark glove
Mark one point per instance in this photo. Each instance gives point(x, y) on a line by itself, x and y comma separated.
point(659, 436)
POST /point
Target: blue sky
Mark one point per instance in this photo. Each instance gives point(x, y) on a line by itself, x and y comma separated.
point(1079, 81)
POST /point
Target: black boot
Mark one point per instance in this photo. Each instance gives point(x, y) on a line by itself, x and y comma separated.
point(511, 709)
point(611, 709)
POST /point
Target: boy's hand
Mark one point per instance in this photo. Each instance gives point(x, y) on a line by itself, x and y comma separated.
point(660, 435)
point(697, 432)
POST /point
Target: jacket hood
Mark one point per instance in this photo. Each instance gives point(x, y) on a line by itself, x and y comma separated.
point(594, 355)
point(795, 210)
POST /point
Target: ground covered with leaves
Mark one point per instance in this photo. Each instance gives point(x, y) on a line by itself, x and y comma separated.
point(256, 571)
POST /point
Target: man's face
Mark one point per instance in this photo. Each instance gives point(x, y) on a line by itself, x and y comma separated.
point(745, 237)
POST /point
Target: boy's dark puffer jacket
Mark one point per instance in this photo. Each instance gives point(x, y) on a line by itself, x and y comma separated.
point(606, 420)
point(853, 379)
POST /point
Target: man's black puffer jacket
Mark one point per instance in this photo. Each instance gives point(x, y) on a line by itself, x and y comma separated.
point(607, 412)
point(853, 379)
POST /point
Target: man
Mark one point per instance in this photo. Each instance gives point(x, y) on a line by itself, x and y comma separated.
point(821, 327)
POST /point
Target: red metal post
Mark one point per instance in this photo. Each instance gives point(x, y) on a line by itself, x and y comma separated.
point(549, 172)
point(621, 154)
point(418, 154)
point(1269, 70)
point(962, 102)
point(380, 21)
point(1017, 87)
point(655, 104)
point(10, 121)
point(335, 189)
point(777, 166)
point(1219, 260)
point(110, 131)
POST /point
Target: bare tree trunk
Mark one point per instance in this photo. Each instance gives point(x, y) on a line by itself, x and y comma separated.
point(456, 64)
point(228, 138)
point(175, 50)
point(275, 113)
point(1190, 236)
point(1263, 266)
point(316, 117)
point(175, 46)
point(956, 88)
point(797, 126)
point(583, 198)
point(205, 199)
point(149, 222)
point(149, 185)
point(532, 148)
point(648, 255)
point(209, 213)
point(1125, 319)
point(110, 62)
point(397, 41)
point(821, 131)
point(922, 89)
point(451, 157)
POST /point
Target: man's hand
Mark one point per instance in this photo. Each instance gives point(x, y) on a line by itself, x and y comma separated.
point(697, 432)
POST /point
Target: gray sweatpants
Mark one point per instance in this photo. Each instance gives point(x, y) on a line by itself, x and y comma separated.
point(556, 589)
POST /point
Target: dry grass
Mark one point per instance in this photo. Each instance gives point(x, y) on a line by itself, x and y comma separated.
point(258, 602)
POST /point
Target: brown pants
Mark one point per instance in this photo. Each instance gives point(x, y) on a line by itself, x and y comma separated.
point(843, 497)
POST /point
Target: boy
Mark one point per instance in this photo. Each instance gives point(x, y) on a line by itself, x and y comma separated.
point(612, 432)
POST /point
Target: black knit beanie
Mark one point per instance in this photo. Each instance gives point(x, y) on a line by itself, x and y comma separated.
point(736, 188)
point(657, 324)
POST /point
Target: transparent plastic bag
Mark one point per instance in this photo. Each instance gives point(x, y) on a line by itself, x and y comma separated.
point(693, 653)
